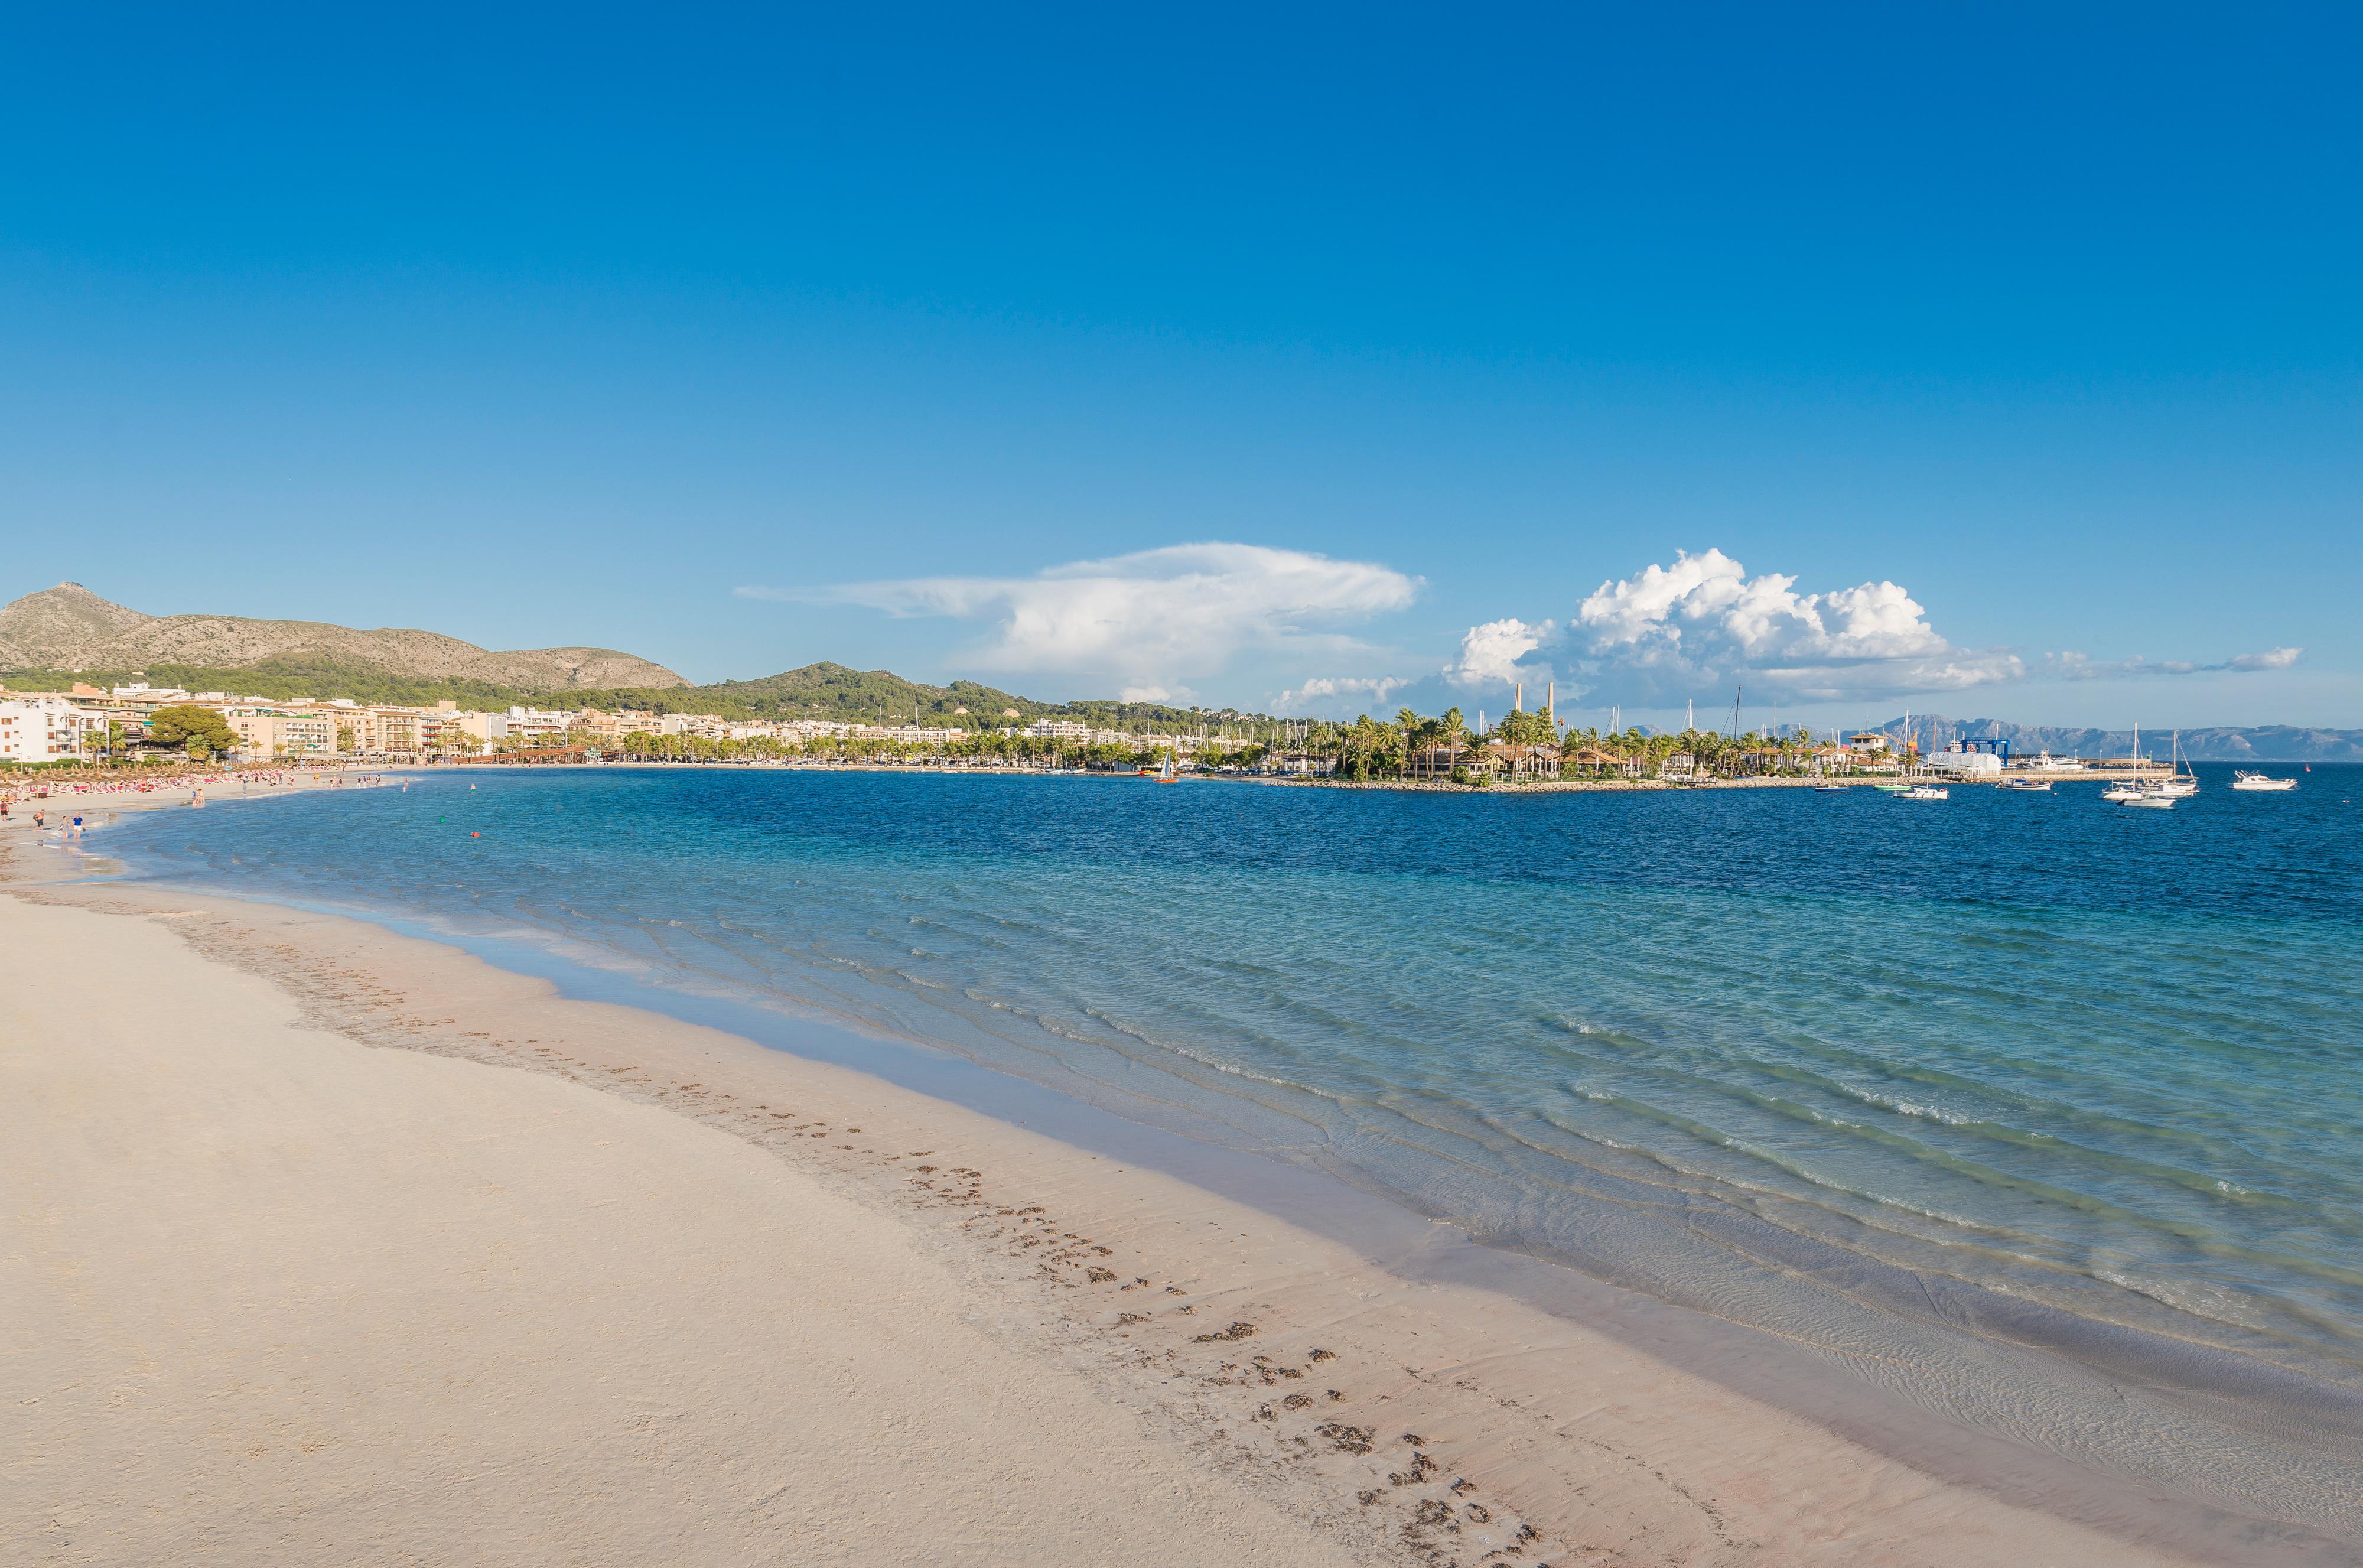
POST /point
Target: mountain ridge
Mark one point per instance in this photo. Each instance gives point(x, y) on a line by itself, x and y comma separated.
point(2214, 744)
point(71, 629)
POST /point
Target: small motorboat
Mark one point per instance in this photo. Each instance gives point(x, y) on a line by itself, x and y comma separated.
point(2121, 794)
point(2032, 786)
point(2151, 799)
point(1830, 789)
point(1925, 792)
point(2245, 780)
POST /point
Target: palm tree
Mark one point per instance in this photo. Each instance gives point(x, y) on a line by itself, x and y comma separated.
point(1410, 723)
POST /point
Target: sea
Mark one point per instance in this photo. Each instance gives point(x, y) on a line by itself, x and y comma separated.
point(2039, 1113)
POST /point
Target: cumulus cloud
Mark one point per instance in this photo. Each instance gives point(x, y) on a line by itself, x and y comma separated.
point(1677, 629)
point(1489, 654)
point(1153, 616)
point(1325, 689)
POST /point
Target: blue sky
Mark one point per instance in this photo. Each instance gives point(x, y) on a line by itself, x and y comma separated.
point(1248, 355)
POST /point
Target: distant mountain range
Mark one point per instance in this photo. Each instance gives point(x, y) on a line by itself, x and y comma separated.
point(70, 628)
point(2260, 743)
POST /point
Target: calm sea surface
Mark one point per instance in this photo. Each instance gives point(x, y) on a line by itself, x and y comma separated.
point(1933, 1084)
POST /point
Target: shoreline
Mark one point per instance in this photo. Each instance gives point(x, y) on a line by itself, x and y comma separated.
point(1511, 1364)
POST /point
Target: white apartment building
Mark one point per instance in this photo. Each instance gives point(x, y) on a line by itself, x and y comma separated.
point(49, 729)
point(912, 733)
point(532, 725)
point(613, 727)
point(1058, 729)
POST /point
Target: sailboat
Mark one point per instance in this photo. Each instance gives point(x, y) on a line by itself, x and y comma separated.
point(2128, 793)
point(2160, 796)
point(2184, 783)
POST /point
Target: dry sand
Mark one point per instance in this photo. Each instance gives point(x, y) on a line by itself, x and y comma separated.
point(321, 1244)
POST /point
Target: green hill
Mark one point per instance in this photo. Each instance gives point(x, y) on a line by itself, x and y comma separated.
point(818, 690)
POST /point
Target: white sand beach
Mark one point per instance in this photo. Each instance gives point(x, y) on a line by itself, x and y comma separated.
point(322, 1244)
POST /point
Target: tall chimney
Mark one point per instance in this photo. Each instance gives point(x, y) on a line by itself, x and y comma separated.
point(1522, 697)
point(1550, 702)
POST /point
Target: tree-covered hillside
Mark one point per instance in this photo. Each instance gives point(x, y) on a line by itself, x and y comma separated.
point(818, 690)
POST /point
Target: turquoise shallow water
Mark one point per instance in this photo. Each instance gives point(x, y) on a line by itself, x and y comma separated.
point(2010, 1075)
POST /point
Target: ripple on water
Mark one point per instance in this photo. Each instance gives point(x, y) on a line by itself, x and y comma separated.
point(1744, 1051)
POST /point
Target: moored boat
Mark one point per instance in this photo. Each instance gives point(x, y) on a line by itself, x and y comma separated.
point(2245, 780)
point(1925, 792)
point(2032, 786)
point(2184, 782)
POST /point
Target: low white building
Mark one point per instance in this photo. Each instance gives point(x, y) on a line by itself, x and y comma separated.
point(533, 726)
point(1962, 763)
point(49, 729)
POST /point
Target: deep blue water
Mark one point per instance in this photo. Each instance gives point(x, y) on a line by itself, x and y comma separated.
point(1805, 1060)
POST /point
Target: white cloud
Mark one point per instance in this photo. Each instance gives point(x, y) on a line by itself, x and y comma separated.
point(2083, 667)
point(1327, 689)
point(1151, 618)
point(1489, 654)
point(1680, 629)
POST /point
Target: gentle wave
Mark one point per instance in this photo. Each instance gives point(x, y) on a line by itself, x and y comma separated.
point(1721, 1049)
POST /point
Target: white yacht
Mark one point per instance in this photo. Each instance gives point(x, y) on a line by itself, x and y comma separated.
point(2032, 786)
point(2121, 792)
point(2247, 780)
point(2149, 798)
point(1925, 792)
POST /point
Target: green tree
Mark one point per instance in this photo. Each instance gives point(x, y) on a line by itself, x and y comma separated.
point(1519, 728)
point(198, 730)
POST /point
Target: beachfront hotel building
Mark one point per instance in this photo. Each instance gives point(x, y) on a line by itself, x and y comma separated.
point(49, 729)
point(266, 734)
